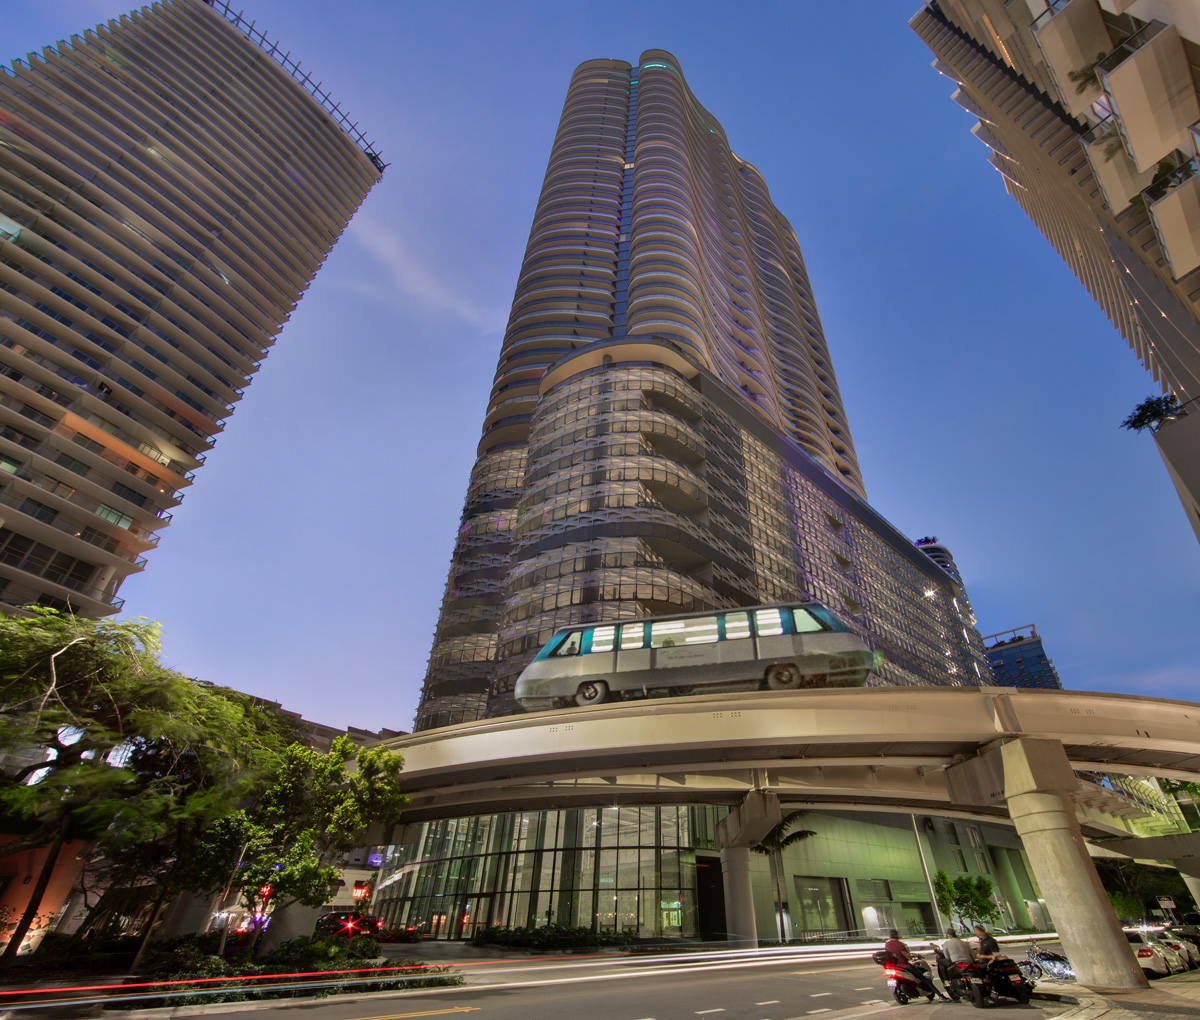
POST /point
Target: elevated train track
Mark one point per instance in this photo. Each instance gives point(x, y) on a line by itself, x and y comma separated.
point(881, 747)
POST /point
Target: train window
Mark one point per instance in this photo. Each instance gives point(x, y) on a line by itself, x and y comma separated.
point(570, 645)
point(699, 631)
point(603, 638)
point(632, 635)
point(768, 622)
point(806, 623)
point(737, 625)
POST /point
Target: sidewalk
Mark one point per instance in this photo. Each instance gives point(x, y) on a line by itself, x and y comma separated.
point(1177, 996)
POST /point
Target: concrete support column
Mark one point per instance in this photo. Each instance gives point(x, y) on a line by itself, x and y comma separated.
point(1009, 886)
point(1193, 886)
point(739, 897)
point(1037, 781)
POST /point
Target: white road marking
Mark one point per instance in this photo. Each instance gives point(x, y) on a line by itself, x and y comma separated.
point(769, 1002)
point(812, 1011)
point(817, 995)
point(701, 1012)
point(867, 989)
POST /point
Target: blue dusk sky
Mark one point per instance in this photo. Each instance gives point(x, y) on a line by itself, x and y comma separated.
point(982, 386)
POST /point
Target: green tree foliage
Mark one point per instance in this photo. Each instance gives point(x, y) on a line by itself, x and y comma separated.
point(106, 743)
point(1151, 412)
point(312, 810)
point(969, 898)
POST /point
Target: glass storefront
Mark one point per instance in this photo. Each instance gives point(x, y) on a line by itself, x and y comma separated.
point(613, 869)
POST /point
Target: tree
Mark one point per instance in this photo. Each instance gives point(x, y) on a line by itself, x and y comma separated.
point(314, 808)
point(110, 744)
point(969, 898)
point(772, 845)
point(1151, 413)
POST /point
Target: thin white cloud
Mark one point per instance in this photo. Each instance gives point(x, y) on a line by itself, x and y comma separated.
point(407, 274)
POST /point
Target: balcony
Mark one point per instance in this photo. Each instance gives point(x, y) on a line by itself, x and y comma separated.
point(1178, 441)
point(1174, 203)
point(1072, 36)
point(1151, 90)
point(1117, 174)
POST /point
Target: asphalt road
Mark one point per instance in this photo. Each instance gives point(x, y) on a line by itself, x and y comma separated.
point(650, 989)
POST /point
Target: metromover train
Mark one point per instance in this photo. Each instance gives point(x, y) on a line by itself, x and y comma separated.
point(784, 647)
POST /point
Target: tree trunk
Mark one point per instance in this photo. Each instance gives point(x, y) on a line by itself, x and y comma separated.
point(35, 898)
point(159, 905)
point(778, 893)
point(42, 836)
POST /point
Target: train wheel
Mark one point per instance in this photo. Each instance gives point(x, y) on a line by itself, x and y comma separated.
point(591, 692)
point(784, 676)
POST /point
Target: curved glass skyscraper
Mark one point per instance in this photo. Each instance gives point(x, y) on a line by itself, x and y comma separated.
point(665, 431)
point(170, 182)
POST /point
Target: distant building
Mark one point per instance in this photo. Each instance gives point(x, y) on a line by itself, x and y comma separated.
point(1090, 112)
point(1018, 659)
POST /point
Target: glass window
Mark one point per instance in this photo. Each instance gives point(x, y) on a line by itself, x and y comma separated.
point(806, 623)
point(668, 633)
point(737, 625)
point(603, 638)
point(632, 635)
point(570, 644)
point(115, 516)
point(768, 622)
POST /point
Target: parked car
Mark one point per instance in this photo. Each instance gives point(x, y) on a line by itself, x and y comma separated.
point(1184, 947)
point(348, 923)
point(409, 933)
point(1156, 959)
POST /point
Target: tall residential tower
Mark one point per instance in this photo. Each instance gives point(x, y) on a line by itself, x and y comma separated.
point(170, 182)
point(1090, 110)
point(665, 431)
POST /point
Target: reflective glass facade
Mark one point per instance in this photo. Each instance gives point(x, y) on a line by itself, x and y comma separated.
point(169, 185)
point(665, 432)
point(616, 869)
point(1018, 659)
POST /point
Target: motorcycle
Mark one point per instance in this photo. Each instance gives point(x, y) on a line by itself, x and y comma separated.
point(964, 980)
point(1040, 962)
point(1006, 979)
point(901, 981)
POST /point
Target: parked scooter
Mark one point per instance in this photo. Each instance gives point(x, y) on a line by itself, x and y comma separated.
point(901, 981)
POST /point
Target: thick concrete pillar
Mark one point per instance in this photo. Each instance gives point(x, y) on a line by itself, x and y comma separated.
point(740, 921)
point(1193, 886)
point(1037, 782)
point(1009, 886)
point(742, 828)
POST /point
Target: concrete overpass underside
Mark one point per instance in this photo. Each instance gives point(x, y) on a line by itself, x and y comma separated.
point(990, 753)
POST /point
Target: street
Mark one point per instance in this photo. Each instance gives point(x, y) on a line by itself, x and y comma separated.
point(642, 989)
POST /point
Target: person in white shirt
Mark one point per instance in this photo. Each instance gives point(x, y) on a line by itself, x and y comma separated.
point(955, 950)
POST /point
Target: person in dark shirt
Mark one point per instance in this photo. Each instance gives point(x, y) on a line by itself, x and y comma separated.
point(989, 948)
point(900, 951)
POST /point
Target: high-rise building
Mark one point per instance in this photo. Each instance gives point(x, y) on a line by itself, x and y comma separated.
point(169, 184)
point(1091, 112)
point(665, 431)
point(1018, 659)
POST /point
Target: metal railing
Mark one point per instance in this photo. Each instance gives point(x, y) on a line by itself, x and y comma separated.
point(1129, 47)
point(99, 540)
point(303, 79)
